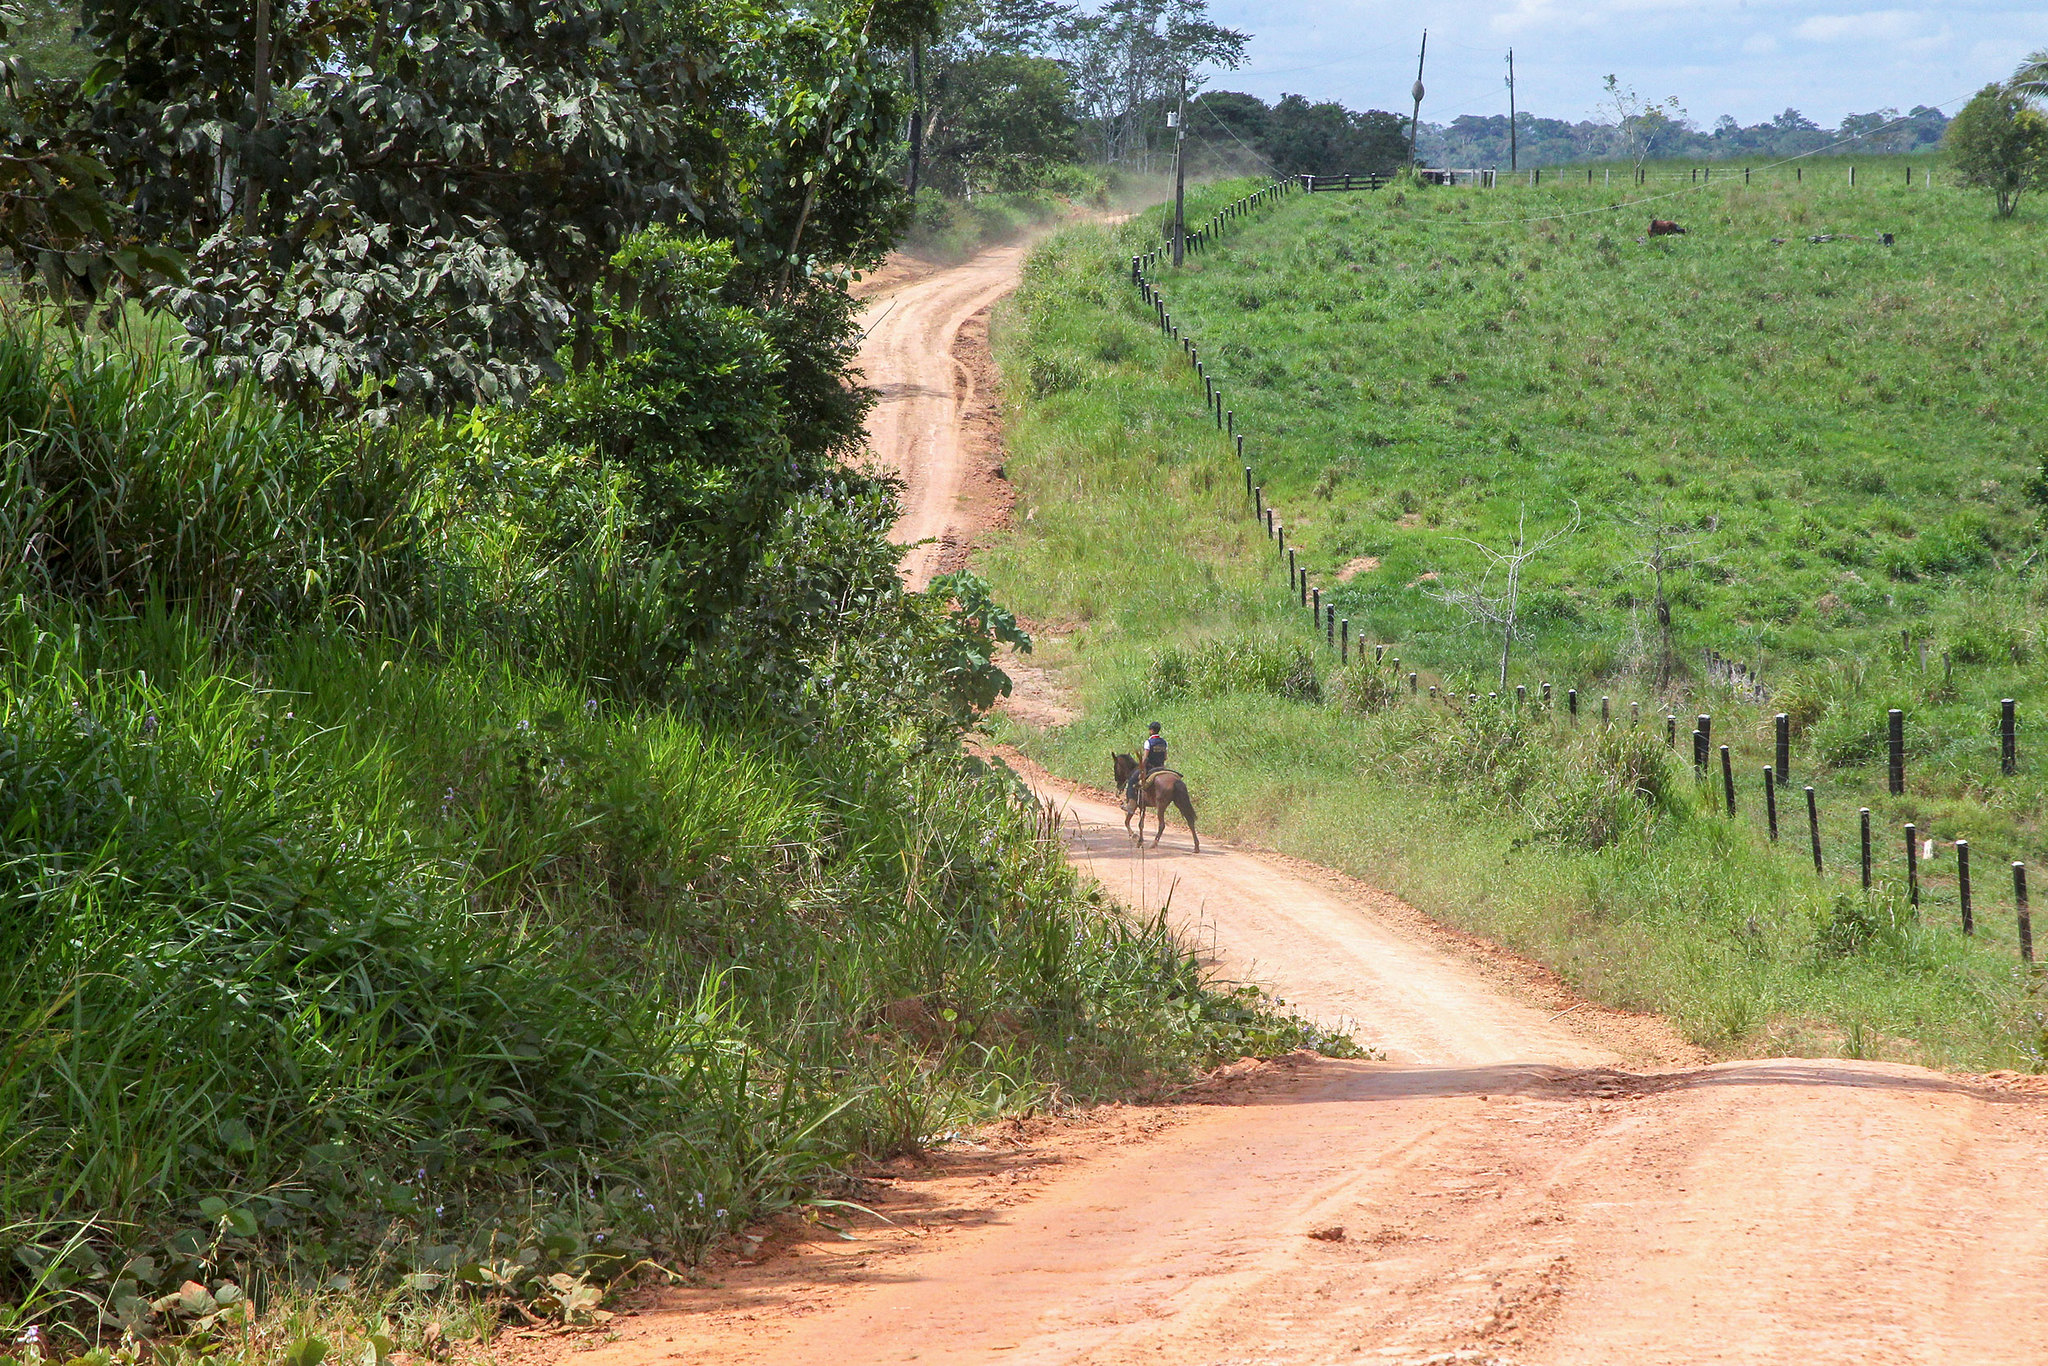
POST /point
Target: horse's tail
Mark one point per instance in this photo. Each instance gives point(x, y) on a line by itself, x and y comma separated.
point(1186, 806)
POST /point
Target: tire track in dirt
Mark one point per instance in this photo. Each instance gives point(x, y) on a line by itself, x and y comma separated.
point(1514, 1184)
point(933, 424)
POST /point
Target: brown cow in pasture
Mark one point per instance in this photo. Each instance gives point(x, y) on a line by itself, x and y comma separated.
point(1664, 227)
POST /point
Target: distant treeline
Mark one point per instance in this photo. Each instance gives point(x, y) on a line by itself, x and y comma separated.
point(1482, 140)
point(1296, 135)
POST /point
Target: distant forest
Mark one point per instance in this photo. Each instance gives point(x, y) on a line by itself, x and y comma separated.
point(1232, 130)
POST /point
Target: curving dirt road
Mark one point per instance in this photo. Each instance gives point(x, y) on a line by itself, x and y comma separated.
point(1526, 1178)
point(926, 426)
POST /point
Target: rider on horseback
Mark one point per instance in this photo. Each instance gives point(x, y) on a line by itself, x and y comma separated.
point(1151, 757)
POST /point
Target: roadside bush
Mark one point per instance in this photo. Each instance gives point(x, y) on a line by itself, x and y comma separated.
point(1220, 666)
point(1856, 924)
point(1365, 689)
point(1609, 792)
point(1482, 753)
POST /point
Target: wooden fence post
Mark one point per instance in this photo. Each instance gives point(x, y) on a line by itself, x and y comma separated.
point(1344, 656)
point(1728, 780)
point(1670, 730)
point(1771, 801)
point(1412, 685)
point(2008, 738)
point(1895, 738)
point(1571, 700)
point(1783, 724)
point(1604, 721)
point(1813, 827)
point(1521, 696)
point(1963, 882)
point(2019, 906)
point(1865, 815)
point(1912, 866)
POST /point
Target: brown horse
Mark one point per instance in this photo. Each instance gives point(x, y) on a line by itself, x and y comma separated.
point(1155, 791)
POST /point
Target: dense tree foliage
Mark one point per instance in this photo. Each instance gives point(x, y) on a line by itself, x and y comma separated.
point(1131, 60)
point(1482, 140)
point(1294, 136)
point(1999, 143)
point(416, 203)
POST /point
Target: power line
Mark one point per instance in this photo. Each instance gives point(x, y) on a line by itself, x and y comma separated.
point(1211, 112)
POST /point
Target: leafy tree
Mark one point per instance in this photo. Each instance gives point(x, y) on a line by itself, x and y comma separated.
point(1997, 142)
point(419, 221)
point(1227, 130)
point(1644, 126)
point(43, 36)
point(1327, 138)
point(2030, 81)
point(57, 224)
point(1003, 119)
point(1129, 61)
point(415, 203)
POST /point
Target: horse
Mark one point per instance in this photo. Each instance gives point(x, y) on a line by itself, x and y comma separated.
point(1664, 227)
point(1155, 790)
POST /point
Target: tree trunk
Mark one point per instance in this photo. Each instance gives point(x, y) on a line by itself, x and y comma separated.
point(916, 110)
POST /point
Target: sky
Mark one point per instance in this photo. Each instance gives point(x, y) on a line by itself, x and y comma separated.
point(1748, 58)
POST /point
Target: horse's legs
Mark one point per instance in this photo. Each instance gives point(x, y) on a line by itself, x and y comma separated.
point(1161, 809)
point(1187, 810)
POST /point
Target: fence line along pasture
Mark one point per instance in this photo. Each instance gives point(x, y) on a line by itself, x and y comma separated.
point(1738, 676)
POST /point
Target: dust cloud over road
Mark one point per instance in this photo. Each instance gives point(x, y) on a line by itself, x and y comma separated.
point(1525, 1178)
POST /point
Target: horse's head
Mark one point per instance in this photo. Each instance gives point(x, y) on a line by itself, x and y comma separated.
point(1125, 766)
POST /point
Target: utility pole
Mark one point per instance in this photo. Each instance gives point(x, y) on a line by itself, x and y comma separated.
point(1511, 109)
point(1180, 182)
point(1415, 119)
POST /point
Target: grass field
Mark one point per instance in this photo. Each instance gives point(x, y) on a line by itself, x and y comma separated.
point(1837, 442)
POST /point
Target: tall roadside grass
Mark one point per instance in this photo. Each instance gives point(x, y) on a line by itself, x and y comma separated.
point(394, 933)
point(1155, 592)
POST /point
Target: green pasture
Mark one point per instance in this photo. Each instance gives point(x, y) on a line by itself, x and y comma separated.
point(1840, 441)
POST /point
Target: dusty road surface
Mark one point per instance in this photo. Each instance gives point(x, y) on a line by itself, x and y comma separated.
point(1524, 1178)
point(932, 424)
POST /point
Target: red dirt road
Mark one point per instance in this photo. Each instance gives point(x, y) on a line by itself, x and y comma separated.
point(929, 425)
point(1526, 1178)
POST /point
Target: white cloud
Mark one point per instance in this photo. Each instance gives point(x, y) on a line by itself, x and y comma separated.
point(1748, 58)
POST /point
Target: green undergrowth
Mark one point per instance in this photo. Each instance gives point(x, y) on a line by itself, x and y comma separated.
point(1846, 434)
point(453, 867)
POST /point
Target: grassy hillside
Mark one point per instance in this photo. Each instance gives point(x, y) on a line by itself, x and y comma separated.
point(1836, 442)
